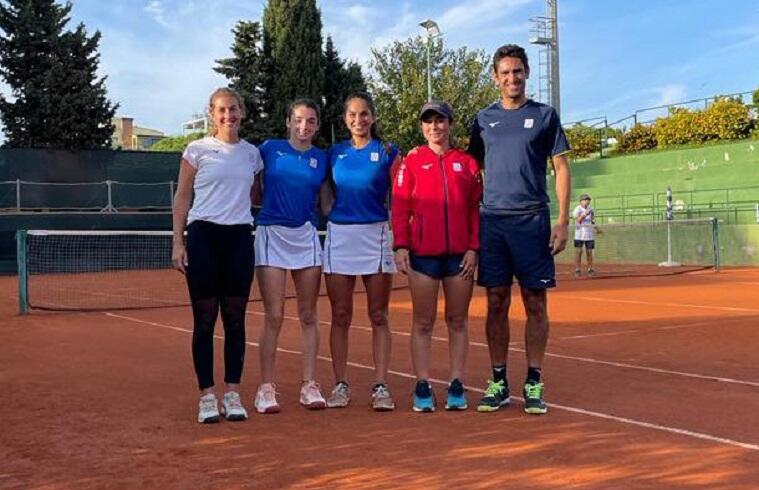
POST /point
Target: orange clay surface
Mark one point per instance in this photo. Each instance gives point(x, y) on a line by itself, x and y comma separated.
point(652, 382)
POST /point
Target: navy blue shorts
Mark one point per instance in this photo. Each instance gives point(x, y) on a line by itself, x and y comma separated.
point(516, 245)
point(219, 260)
point(588, 244)
point(436, 266)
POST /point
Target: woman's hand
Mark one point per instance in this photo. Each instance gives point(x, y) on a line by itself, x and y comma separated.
point(402, 261)
point(468, 264)
point(179, 257)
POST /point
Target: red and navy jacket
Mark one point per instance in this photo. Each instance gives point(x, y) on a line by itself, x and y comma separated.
point(435, 202)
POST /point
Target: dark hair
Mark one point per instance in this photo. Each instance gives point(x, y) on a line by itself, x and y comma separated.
point(510, 51)
point(304, 102)
point(366, 97)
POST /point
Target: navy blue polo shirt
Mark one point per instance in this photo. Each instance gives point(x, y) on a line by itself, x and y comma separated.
point(514, 146)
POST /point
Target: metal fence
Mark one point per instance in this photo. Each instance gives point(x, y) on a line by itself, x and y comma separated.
point(737, 205)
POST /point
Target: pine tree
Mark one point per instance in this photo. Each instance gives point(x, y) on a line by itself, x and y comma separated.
point(293, 48)
point(52, 74)
point(246, 71)
point(339, 82)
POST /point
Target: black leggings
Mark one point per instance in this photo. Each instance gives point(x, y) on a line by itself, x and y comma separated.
point(219, 276)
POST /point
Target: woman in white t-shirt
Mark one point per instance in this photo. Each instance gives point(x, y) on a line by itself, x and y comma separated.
point(213, 204)
point(585, 220)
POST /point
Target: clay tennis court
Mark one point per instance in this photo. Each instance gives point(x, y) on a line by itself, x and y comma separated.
point(652, 382)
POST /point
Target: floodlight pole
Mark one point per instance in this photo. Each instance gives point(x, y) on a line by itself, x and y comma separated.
point(429, 70)
point(432, 31)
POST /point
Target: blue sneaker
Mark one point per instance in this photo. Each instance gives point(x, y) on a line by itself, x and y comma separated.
point(424, 398)
point(456, 396)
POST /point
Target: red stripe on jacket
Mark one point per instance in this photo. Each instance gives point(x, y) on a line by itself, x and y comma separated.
point(435, 202)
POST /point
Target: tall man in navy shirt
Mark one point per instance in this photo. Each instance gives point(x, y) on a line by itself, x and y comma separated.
point(513, 139)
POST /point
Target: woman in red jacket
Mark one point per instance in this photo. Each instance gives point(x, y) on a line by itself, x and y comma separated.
point(435, 219)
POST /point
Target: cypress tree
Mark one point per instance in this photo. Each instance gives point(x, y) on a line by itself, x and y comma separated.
point(340, 80)
point(246, 71)
point(59, 102)
point(295, 65)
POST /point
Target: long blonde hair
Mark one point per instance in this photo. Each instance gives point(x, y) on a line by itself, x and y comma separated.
point(224, 91)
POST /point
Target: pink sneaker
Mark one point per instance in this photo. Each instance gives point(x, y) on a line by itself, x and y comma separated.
point(266, 399)
point(311, 396)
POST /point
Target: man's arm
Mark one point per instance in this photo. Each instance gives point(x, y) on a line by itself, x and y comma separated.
point(559, 234)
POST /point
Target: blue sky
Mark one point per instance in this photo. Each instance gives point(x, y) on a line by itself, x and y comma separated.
point(616, 55)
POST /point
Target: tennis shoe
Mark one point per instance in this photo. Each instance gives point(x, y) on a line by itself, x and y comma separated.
point(340, 396)
point(533, 398)
point(231, 407)
point(578, 273)
point(424, 398)
point(591, 273)
point(266, 399)
point(496, 396)
point(311, 396)
point(381, 399)
point(208, 409)
point(456, 396)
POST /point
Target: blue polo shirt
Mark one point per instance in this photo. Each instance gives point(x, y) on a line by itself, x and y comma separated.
point(514, 146)
point(292, 179)
point(361, 177)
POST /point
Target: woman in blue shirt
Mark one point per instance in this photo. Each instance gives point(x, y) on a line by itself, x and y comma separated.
point(286, 240)
point(359, 244)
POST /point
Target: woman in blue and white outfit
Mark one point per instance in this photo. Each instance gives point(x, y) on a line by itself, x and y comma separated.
point(359, 244)
point(218, 256)
point(286, 240)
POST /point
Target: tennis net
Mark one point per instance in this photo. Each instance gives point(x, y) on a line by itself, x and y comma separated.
point(649, 248)
point(107, 270)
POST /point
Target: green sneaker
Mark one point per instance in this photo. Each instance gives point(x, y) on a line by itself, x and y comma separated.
point(496, 396)
point(533, 399)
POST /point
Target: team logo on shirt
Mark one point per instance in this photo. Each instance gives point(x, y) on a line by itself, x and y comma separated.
point(494, 124)
point(313, 162)
point(374, 156)
point(457, 167)
point(341, 156)
point(281, 153)
point(528, 123)
point(427, 166)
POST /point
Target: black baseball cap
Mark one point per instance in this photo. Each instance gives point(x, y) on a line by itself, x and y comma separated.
point(438, 107)
point(585, 196)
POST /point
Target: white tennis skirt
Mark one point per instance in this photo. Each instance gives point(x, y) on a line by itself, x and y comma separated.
point(288, 248)
point(357, 250)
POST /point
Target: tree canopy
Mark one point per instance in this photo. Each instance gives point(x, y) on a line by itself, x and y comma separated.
point(57, 99)
point(399, 84)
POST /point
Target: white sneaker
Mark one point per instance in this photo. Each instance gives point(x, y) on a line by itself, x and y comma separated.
point(208, 409)
point(311, 396)
point(340, 397)
point(231, 407)
point(266, 399)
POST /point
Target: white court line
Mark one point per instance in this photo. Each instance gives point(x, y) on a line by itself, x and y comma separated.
point(565, 357)
point(653, 303)
point(644, 330)
point(594, 335)
point(624, 420)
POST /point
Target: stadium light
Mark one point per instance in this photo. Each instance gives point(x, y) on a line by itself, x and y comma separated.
point(433, 31)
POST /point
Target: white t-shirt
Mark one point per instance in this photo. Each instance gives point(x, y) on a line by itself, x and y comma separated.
point(584, 229)
point(225, 174)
